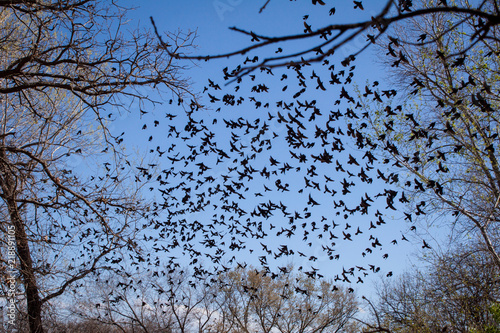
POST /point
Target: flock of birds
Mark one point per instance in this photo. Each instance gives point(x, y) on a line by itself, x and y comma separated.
point(285, 164)
point(240, 184)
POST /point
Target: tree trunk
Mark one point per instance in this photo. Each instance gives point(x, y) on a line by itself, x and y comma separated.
point(27, 271)
point(9, 193)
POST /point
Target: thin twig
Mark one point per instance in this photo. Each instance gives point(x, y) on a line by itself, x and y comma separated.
point(264, 6)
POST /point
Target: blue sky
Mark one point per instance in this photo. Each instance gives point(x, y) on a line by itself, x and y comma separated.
point(211, 20)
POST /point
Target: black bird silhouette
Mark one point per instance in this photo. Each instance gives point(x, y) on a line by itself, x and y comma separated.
point(358, 4)
point(425, 246)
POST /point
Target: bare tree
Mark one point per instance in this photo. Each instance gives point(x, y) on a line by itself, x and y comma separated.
point(65, 77)
point(446, 137)
point(253, 301)
point(239, 300)
point(168, 304)
point(453, 293)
